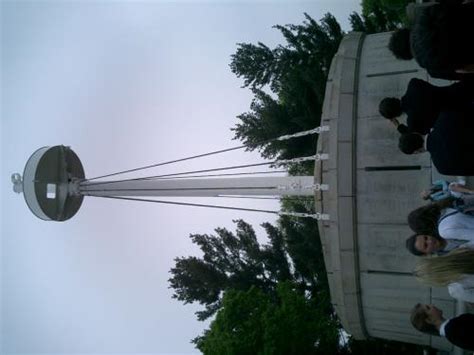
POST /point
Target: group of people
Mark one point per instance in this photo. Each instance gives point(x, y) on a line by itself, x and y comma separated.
point(444, 236)
point(439, 120)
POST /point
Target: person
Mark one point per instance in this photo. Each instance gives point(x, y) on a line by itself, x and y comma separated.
point(438, 39)
point(454, 270)
point(458, 330)
point(449, 143)
point(442, 189)
point(423, 102)
point(439, 228)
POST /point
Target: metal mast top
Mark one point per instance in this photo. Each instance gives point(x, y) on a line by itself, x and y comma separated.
point(54, 185)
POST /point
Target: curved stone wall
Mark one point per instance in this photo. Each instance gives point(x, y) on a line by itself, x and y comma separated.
point(372, 187)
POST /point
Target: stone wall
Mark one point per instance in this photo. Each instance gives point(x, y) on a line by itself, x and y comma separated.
point(372, 188)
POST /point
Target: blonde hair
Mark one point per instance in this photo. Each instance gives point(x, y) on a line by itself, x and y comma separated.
point(443, 270)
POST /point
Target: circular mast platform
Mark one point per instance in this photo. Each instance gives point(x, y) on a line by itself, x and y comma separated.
point(48, 181)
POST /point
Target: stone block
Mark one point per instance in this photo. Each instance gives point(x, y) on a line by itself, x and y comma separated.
point(440, 294)
point(347, 80)
point(349, 271)
point(350, 44)
point(382, 248)
point(335, 255)
point(376, 58)
point(335, 288)
point(332, 148)
point(346, 117)
point(388, 196)
point(377, 288)
point(349, 323)
point(346, 170)
point(346, 224)
point(353, 315)
point(331, 101)
point(357, 330)
point(377, 146)
point(332, 69)
point(341, 314)
point(330, 178)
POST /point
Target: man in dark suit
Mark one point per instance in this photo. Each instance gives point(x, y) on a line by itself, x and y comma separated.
point(450, 143)
point(423, 102)
point(438, 39)
point(458, 330)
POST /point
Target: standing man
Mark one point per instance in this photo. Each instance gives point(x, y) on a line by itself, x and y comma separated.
point(450, 143)
point(458, 330)
point(423, 102)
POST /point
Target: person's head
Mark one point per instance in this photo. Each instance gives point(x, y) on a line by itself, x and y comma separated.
point(424, 219)
point(446, 269)
point(411, 143)
point(390, 107)
point(399, 44)
point(425, 318)
point(423, 244)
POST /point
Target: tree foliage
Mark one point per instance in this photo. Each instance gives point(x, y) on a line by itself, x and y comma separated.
point(380, 16)
point(253, 322)
point(230, 261)
point(296, 75)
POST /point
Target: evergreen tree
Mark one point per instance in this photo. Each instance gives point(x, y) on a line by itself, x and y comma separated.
point(230, 261)
point(380, 16)
point(296, 75)
point(253, 322)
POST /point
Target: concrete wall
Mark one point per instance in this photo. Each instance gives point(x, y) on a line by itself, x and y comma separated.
point(372, 188)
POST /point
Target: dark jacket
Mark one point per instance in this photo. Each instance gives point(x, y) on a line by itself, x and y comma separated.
point(441, 37)
point(460, 331)
point(451, 143)
point(423, 102)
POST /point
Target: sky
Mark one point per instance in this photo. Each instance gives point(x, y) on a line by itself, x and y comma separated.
point(124, 84)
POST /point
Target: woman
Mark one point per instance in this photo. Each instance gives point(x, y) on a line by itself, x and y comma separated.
point(454, 270)
point(440, 219)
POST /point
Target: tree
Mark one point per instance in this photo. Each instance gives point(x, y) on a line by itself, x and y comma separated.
point(304, 247)
point(253, 322)
point(230, 261)
point(380, 16)
point(296, 75)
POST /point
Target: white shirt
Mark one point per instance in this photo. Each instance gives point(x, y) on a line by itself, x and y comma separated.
point(463, 290)
point(456, 226)
point(441, 328)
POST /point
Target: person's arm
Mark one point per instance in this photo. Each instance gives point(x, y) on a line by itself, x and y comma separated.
point(456, 187)
point(461, 292)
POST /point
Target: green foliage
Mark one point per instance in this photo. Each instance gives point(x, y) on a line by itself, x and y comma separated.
point(230, 261)
point(380, 16)
point(381, 347)
point(304, 247)
point(296, 75)
point(253, 322)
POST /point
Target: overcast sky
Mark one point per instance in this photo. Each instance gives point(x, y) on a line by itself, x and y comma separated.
point(125, 84)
